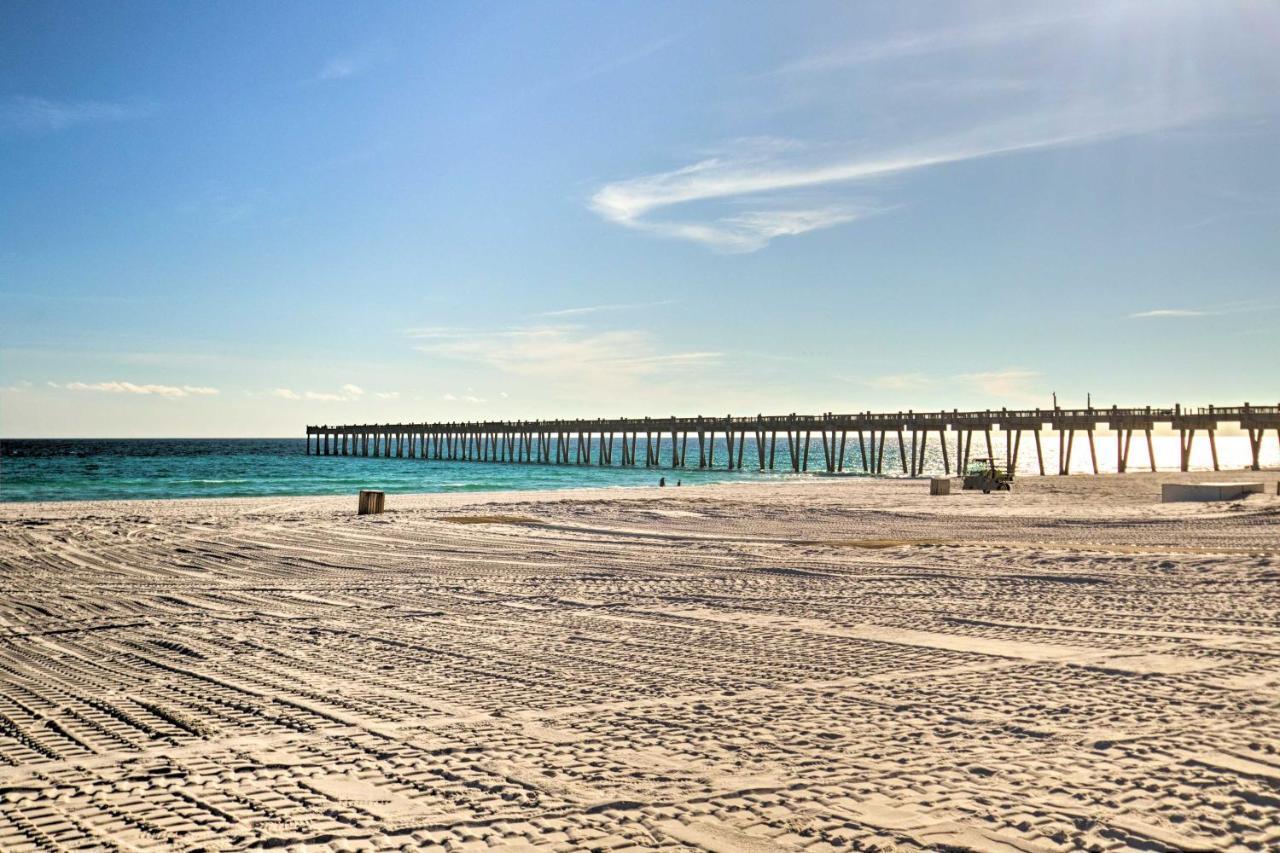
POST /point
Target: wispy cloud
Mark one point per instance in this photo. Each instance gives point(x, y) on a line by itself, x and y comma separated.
point(351, 63)
point(560, 352)
point(346, 393)
point(1170, 312)
point(737, 176)
point(18, 387)
point(923, 42)
point(596, 309)
point(132, 388)
point(625, 58)
point(26, 114)
point(900, 382)
point(1009, 384)
point(1247, 306)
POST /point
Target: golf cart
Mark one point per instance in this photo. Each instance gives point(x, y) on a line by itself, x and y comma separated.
point(983, 474)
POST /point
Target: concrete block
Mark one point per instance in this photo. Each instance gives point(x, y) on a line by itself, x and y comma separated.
point(939, 485)
point(1172, 492)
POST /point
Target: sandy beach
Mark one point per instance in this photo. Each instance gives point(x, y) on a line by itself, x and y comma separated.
point(831, 664)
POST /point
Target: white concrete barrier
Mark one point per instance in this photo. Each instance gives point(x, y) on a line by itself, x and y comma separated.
point(1172, 492)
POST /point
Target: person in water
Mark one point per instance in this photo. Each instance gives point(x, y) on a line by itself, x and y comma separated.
point(662, 481)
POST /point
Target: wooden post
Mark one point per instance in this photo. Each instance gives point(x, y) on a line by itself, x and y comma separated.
point(1151, 449)
point(1213, 448)
point(902, 451)
point(840, 458)
point(773, 446)
point(1093, 451)
point(370, 502)
point(942, 440)
point(1040, 450)
point(862, 449)
point(808, 434)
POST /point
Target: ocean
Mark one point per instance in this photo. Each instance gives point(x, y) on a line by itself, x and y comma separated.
point(114, 469)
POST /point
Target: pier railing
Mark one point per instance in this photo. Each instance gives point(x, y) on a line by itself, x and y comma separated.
point(574, 441)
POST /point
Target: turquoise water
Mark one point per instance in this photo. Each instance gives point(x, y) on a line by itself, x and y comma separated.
point(110, 469)
point(85, 469)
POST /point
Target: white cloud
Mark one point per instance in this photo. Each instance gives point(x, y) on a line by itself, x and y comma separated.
point(171, 391)
point(596, 309)
point(40, 115)
point(751, 170)
point(1170, 312)
point(566, 353)
point(1242, 306)
point(346, 394)
point(1009, 384)
point(900, 382)
point(387, 395)
point(352, 63)
point(921, 43)
point(18, 387)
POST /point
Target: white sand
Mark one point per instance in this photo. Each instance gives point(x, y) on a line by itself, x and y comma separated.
point(832, 664)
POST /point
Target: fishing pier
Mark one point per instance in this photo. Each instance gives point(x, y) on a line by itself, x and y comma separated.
point(722, 441)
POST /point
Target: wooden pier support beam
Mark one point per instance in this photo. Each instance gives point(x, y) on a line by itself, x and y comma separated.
point(1255, 448)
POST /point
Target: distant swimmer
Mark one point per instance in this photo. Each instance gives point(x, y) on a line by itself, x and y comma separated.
point(662, 481)
point(677, 482)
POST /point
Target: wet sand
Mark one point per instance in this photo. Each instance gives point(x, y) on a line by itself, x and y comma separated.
point(833, 664)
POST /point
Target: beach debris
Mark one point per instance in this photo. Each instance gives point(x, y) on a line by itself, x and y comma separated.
point(371, 502)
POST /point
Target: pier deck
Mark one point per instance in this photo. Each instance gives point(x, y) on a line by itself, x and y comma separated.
point(722, 441)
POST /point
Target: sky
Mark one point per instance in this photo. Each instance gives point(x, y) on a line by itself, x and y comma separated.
point(222, 219)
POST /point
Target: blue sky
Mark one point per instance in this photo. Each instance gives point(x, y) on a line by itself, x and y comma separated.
point(236, 219)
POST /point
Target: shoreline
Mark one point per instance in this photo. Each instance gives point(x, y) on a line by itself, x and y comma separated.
point(1032, 483)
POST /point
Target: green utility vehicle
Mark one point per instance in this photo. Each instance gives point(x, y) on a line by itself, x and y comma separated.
point(983, 474)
